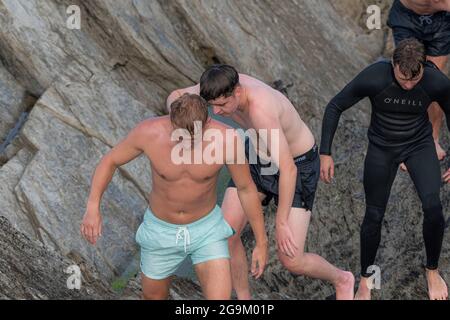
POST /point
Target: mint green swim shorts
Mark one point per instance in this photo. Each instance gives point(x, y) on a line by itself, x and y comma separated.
point(164, 246)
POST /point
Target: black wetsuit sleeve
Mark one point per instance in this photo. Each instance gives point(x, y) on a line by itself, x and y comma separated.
point(443, 98)
point(366, 84)
point(437, 87)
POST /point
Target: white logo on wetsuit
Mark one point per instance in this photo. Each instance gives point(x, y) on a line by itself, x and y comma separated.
point(408, 102)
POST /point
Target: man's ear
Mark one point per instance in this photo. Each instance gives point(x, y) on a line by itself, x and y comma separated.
point(394, 66)
point(238, 90)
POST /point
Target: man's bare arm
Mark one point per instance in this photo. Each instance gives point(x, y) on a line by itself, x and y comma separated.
point(266, 118)
point(127, 150)
point(174, 95)
point(248, 196)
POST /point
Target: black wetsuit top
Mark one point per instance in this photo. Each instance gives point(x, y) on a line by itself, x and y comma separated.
point(399, 117)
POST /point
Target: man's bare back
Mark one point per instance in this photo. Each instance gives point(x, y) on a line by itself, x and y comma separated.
point(427, 7)
point(265, 102)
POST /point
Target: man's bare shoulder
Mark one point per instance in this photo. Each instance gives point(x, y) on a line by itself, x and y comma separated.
point(152, 128)
point(264, 102)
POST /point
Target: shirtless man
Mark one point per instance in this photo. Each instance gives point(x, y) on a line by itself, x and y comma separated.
point(400, 92)
point(254, 105)
point(182, 218)
point(429, 22)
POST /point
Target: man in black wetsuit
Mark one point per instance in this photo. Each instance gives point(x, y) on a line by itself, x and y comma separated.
point(400, 131)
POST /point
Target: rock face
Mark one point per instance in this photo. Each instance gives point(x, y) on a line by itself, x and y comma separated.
point(10, 101)
point(94, 84)
point(29, 271)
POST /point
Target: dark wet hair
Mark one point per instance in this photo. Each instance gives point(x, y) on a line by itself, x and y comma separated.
point(410, 56)
point(217, 81)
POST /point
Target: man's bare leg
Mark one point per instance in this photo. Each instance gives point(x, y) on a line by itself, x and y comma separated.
point(313, 265)
point(155, 289)
point(215, 279)
point(437, 288)
point(235, 216)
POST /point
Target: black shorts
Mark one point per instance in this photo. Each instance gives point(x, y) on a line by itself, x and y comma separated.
point(308, 173)
point(433, 30)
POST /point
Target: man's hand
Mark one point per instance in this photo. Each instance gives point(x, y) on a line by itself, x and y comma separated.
point(446, 176)
point(326, 168)
point(259, 259)
point(91, 227)
point(285, 239)
point(442, 5)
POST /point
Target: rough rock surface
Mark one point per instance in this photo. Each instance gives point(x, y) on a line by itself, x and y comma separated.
point(94, 84)
point(29, 271)
point(14, 100)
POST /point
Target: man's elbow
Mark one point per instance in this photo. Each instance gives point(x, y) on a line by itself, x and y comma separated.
point(246, 188)
point(108, 162)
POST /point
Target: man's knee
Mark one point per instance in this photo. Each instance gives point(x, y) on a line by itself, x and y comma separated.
point(296, 264)
point(154, 289)
point(222, 293)
point(155, 295)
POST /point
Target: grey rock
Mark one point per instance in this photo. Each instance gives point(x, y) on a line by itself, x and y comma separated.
point(13, 102)
point(10, 175)
point(29, 271)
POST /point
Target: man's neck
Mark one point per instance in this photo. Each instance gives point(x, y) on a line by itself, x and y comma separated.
point(243, 101)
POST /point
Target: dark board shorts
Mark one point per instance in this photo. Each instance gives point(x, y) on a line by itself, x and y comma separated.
point(432, 30)
point(308, 174)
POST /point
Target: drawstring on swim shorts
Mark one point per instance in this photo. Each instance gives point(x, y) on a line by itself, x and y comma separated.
point(426, 19)
point(183, 233)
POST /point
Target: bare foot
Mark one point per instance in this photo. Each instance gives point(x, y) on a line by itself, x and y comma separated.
point(345, 286)
point(440, 152)
point(363, 292)
point(437, 289)
point(403, 167)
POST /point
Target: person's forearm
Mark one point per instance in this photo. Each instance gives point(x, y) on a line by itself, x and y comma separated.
point(103, 175)
point(354, 92)
point(253, 210)
point(286, 193)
